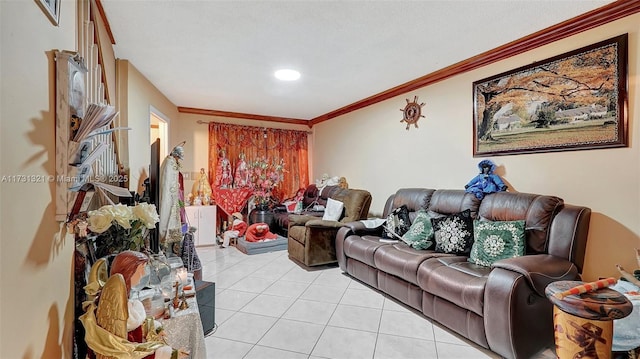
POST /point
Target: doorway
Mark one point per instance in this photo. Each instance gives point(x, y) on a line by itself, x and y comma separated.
point(159, 129)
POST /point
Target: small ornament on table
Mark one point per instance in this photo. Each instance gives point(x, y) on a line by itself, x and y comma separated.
point(183, 303)
point(176, 301)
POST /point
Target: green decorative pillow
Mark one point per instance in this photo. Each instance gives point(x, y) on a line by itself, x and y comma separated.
point(420, 235)
point(496, 240)
point(454, 233)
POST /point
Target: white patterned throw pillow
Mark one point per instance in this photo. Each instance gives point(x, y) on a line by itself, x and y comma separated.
point(333, 210)
point(454, 233)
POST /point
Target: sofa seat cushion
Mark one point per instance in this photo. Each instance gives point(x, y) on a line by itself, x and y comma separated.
point(402, 261)
point(455, 280)
point(363, 248)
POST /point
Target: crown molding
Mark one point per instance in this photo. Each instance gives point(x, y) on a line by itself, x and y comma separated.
point(248, 116)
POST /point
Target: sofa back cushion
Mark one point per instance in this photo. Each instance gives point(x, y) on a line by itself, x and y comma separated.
point(450, 201)
point(311, 194)
point(536, 210)
point(356, 202)
point(414, 198)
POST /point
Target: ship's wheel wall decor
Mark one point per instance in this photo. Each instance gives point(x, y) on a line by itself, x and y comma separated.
point(412, 112)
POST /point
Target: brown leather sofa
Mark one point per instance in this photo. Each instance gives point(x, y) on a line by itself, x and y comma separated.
point(503, 307)
point(311, 240)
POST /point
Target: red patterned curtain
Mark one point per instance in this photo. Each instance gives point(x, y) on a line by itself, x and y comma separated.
point(256, 142)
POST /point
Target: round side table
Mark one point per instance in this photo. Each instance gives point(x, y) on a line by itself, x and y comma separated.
point(583, 323)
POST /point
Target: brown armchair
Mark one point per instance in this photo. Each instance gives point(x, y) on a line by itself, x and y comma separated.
point(311, 240)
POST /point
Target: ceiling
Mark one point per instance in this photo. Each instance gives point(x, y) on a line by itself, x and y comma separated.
point(221, 55)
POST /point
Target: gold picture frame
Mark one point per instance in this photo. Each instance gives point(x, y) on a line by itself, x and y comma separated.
point(51, 8)
point(574, 101)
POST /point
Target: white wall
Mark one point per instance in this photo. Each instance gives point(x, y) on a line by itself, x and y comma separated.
point(136, 97)
point(36, 292)
point(439, 153)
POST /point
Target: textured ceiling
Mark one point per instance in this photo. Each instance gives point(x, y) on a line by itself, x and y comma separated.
point(221, 55)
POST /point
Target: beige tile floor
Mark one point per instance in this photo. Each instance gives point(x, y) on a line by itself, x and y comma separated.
point(269, 307)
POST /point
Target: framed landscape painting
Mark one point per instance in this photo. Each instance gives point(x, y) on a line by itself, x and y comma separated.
point(574, 101)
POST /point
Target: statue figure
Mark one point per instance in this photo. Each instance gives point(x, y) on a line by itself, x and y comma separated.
point(242, 173)
point(173, 217)
point(224, 179)
point(117, 326)
point(202, 188)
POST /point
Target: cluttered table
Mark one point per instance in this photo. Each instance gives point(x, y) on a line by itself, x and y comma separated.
point(184, 329)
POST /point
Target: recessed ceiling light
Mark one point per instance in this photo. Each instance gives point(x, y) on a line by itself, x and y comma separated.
point(287, 75)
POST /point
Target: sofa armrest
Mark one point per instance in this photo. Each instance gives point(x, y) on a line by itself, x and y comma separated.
point(300, 219)
point(540, 269)
point(320, 223)
point(359, 228)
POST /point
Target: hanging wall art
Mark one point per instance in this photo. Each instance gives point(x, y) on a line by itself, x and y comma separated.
point(574, 101)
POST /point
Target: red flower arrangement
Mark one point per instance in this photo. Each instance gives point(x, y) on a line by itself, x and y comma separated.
point(264, 177)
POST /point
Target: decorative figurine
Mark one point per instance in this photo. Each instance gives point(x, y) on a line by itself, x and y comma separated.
point(117, 326)
point(486, 182)
point(176, 300)
point(342, 183)
point(201, 187)
point(241, 179)
point(224, 179)
point(412, 112)
point(238, 227)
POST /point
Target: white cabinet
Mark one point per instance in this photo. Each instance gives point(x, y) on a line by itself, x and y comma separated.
point(204, 219)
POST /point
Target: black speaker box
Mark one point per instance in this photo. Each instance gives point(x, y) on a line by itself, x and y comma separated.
point(206, 297)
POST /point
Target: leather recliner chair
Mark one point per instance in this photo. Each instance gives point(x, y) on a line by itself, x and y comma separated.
point(311, 240)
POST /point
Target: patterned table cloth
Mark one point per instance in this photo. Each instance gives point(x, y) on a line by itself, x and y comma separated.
point(184, 330)
point(231, 199)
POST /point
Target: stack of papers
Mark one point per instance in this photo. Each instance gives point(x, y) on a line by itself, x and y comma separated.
point(97, 116)
point(83, 149)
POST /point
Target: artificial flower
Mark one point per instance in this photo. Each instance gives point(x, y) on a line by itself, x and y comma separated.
point(147, 213)
point(264, 177)
point(100, 221)
point(120, 227)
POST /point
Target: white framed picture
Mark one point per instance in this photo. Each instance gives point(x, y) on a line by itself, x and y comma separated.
point(52, 9)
